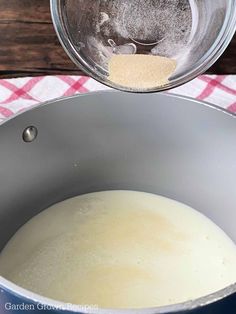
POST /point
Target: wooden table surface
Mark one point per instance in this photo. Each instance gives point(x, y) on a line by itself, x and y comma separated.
point(29, 45)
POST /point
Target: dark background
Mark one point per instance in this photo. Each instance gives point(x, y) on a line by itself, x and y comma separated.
point(29, 45)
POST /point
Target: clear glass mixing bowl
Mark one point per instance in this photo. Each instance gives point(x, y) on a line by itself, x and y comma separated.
point(194, 32)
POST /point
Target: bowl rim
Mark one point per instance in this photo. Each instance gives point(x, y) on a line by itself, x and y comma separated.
point(217, 49)
point(62, 306)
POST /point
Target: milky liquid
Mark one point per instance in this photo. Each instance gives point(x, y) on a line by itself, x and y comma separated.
point(120, 249)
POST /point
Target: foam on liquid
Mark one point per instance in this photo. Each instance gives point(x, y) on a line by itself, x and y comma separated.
point(120, 249)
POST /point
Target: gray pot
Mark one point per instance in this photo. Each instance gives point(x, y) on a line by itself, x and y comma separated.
point(163, 144)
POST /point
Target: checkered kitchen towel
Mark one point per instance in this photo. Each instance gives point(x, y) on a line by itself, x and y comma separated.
point(21, 93)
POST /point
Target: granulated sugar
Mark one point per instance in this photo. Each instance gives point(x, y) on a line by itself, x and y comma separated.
point(140, 71)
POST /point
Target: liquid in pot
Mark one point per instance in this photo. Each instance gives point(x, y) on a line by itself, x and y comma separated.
point(120, 249)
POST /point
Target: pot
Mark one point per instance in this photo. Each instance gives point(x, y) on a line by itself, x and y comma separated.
point(172, 146)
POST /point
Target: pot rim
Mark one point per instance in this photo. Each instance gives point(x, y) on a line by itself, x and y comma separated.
point(111, 90)
point(57, 305)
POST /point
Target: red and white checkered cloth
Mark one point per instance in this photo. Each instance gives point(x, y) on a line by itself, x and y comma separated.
point(21, 93)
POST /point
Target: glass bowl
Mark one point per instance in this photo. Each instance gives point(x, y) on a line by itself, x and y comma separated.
point(193, 32)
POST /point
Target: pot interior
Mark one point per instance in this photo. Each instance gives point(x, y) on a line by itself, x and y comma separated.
point(162, 144)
